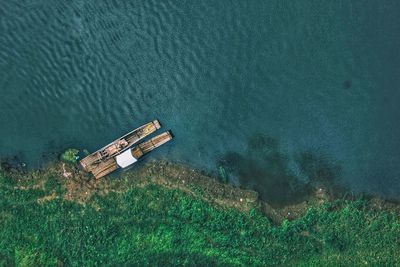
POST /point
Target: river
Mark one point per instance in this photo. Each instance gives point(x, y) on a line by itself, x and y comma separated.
point(278, 93)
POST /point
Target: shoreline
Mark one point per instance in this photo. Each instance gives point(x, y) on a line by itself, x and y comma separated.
point(161, 214)
point(80, 187)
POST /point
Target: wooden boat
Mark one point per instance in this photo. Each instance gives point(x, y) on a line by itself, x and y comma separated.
point(119, 145)
point(130, 156)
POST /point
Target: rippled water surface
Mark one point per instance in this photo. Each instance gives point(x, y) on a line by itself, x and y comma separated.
point(274, 91)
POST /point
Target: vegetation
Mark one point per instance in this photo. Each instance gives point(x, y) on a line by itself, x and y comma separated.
point(70, 156)
point(155, 225)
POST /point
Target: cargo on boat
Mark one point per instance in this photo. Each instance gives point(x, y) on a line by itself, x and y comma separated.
point(129, 156)
point(118, 146)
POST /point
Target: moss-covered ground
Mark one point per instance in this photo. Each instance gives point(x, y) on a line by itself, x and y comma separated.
point(155, 217)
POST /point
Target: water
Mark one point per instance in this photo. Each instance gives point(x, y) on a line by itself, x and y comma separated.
point(276, 92)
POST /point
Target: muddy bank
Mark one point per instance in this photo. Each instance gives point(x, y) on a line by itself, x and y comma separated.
point(78, 186)
point(222, 194)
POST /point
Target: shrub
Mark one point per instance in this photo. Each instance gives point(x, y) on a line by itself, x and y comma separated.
point(70, 156)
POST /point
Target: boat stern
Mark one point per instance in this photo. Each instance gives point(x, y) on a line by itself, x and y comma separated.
point(157, 124)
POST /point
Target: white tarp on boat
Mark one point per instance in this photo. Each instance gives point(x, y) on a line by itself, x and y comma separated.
point(125, 159)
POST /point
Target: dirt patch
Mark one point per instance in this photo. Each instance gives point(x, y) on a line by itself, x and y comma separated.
point(47, 198)
point(78, 185)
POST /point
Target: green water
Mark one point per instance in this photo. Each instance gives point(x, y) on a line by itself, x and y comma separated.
point(276, 92)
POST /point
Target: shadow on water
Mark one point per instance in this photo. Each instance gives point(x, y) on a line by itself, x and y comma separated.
point(279, 178)
point(13, 164)
point(347, 84)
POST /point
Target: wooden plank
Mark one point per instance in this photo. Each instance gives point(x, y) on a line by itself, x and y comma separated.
point(155, 142)
point(107, 166)
point(120, 145)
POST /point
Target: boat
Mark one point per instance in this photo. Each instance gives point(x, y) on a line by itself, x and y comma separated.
point(130, 156)
point(118, 146)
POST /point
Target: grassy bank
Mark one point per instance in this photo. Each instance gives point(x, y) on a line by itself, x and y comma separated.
point(169, 215)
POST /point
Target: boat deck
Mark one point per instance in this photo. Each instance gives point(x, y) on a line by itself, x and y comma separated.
point(105, 167)
point(118, 146)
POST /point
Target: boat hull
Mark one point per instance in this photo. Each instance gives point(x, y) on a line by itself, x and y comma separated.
point(138, 151)
point(119, 145)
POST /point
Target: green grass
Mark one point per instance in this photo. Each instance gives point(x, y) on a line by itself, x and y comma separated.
point(158, 226)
